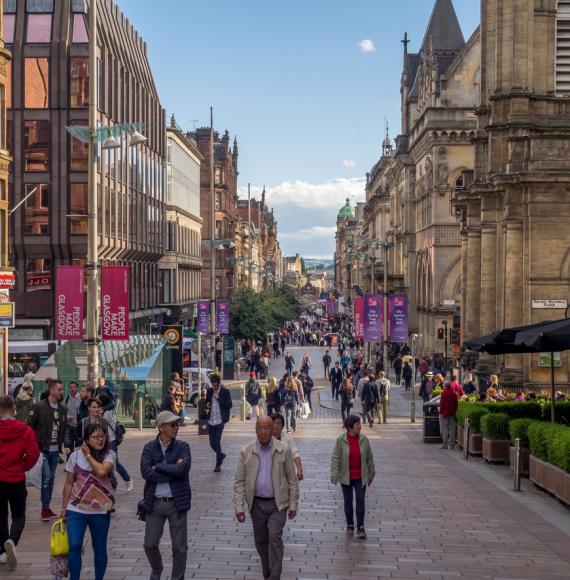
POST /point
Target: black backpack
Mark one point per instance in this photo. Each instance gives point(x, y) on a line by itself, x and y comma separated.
point(119, 432)
point(289, 399)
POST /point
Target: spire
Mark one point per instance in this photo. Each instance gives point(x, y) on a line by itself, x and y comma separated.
point(172, 122)
point(235, 154)
point(443, 29)
point(405, 41)
point(387, 144)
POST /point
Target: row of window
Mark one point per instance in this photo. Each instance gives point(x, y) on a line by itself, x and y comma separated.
point(38, 29)
point(183, 240)
point(180, 286)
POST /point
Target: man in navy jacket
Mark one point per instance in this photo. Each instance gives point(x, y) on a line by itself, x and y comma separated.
point(218, 404)
point(165, 467)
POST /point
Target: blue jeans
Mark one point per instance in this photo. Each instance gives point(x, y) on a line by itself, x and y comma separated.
point(120, 467)
point(360, 494)
point(99, 528)
point(290, 417)
point(49, 465)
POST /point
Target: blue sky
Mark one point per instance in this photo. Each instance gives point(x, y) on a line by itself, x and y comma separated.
point(289, 78)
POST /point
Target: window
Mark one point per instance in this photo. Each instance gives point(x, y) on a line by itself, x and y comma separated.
point(10, 6)
point(165, 282)
point(36, 146)
point(218, 201)
point(80, 34)
point(100, 82)
point(41, 6)
point(78, 208)
point(36, 212)
point(79, 155)
point(9, 24)
point(79, 6)
point(218, 234)
point(218, 175)
point(9, 85)
point(563, 48)
point(79, 84)
point(38, 274)
point(36, 83)
point(39, 29)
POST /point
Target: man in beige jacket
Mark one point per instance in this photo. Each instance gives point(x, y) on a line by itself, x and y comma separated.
point(266, 480)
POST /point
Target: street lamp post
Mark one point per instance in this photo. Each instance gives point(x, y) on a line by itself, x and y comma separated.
point(212, 248)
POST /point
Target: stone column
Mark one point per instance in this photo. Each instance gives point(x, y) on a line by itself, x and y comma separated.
point(473, 293)
point(464, 269)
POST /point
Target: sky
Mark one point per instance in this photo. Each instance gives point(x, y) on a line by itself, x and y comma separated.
point(306, 85)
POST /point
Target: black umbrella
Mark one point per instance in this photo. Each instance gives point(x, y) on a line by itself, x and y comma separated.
point(500, 342)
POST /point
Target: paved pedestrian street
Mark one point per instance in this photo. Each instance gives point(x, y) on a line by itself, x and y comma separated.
point(429, 515)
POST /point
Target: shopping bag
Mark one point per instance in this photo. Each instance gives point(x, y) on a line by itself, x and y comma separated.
point(305, 410)
point(34, 476)
point(59, 540)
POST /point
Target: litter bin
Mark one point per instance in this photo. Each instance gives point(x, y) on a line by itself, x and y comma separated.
point(432, 433)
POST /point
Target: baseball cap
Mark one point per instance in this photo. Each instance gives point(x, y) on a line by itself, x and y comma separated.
point(165, 417)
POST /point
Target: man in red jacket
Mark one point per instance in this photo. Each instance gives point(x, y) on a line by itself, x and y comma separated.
point(19, 452)
point(447, 408)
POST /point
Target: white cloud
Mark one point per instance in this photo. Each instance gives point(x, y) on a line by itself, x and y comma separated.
point(312, 232)
point(328, 195)
point(366, 45)
point(350, 163)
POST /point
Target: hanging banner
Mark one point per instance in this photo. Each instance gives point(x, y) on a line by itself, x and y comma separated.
point(222, 317)
point(203, 318)
point(115, 302)
point(373, 318)
point(359, 318)
point(69, 303)
point(398, 307)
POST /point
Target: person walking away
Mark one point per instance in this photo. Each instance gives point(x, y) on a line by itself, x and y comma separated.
point(456, 387)
point(88, 499)
point(346, 398)
point(300, 388)
point(407, 374)
point(114, 444)
point(278, 425)
point(219, 403)
point(369, 398)
point(469, 386)
point(72, 403)
point(336, 380)
point(266, 480)
point(397, 364)
point(448, 403)
point(383, 385)
point(282, 384)
point(427, 386)
point(19, 452)
point(47, 419)
point(272, 397)
point(253, 394)
point(290, 402)
point(25, 402)
point(352, 465)
point(308, 385)
point(327, 363)
point(165, 467)
point(289, 363)
point(103, 388)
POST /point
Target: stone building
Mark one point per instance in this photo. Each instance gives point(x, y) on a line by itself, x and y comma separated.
point(516, 216)
point(226, 216)
point(48, 89)
point(181, 266)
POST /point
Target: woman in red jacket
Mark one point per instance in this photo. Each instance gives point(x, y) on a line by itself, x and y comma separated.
point(447, 408)
point(19, 452)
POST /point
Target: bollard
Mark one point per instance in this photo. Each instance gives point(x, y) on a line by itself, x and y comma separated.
point(141, 412)
point(517, 469)
point(466, 439)
point(413, 406)
point(242, 403)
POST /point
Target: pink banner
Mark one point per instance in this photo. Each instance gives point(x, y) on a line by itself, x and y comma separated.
point(115, 302)
point(359, 318)
point(69, 303)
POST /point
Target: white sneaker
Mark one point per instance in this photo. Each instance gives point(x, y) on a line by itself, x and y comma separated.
point(3, 558)
point(10, 548)
point(130, 485)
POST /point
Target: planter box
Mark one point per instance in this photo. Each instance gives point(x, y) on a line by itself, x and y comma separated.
point(550, 478)
point(460, 437)
point(476, 444)
point(496, 450)
point(525, 453)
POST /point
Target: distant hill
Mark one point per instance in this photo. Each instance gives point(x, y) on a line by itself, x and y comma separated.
point(319, 264)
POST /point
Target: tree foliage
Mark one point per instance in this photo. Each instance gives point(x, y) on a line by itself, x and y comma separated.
point(255, 314)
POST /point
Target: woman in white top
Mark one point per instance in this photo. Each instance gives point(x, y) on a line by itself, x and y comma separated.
point(88, 498)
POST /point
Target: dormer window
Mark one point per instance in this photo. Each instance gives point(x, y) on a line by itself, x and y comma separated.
point(563, 48)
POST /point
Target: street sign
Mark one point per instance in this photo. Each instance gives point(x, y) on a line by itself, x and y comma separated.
point(550, 304)
point(7, 279)
point(7, 315)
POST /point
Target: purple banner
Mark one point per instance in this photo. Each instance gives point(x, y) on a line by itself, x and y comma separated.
point(359, 318)
point(373, 318)
point(398, 306)
point(222, 317)
point(203, 323)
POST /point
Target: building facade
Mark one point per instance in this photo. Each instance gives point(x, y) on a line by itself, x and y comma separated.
point(50, 90)
point(181, 266)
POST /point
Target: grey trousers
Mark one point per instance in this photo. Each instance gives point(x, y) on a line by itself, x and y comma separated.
point(268, 524)
point(447, 428)
point(154, 528)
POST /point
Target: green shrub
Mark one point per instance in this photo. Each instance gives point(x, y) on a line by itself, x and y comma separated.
point(539, 436)
point(461, 410)
point(517, 410)
point(518, 429)
point(561, 411)
point(495, 426)
point(474, 412)
point(559, 448)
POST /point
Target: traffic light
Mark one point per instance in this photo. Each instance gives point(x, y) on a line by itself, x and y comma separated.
point(440, 333)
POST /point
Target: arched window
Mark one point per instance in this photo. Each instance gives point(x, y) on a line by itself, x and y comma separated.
point(563, 48)
point(463, 180)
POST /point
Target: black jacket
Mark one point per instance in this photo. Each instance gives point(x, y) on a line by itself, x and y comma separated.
point(308, 384)
point(225, 401)
point(41, 420)
point(167, 470)
point(336, 377)
point(370, 393)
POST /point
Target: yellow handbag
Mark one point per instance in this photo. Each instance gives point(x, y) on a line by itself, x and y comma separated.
point(59, 540)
